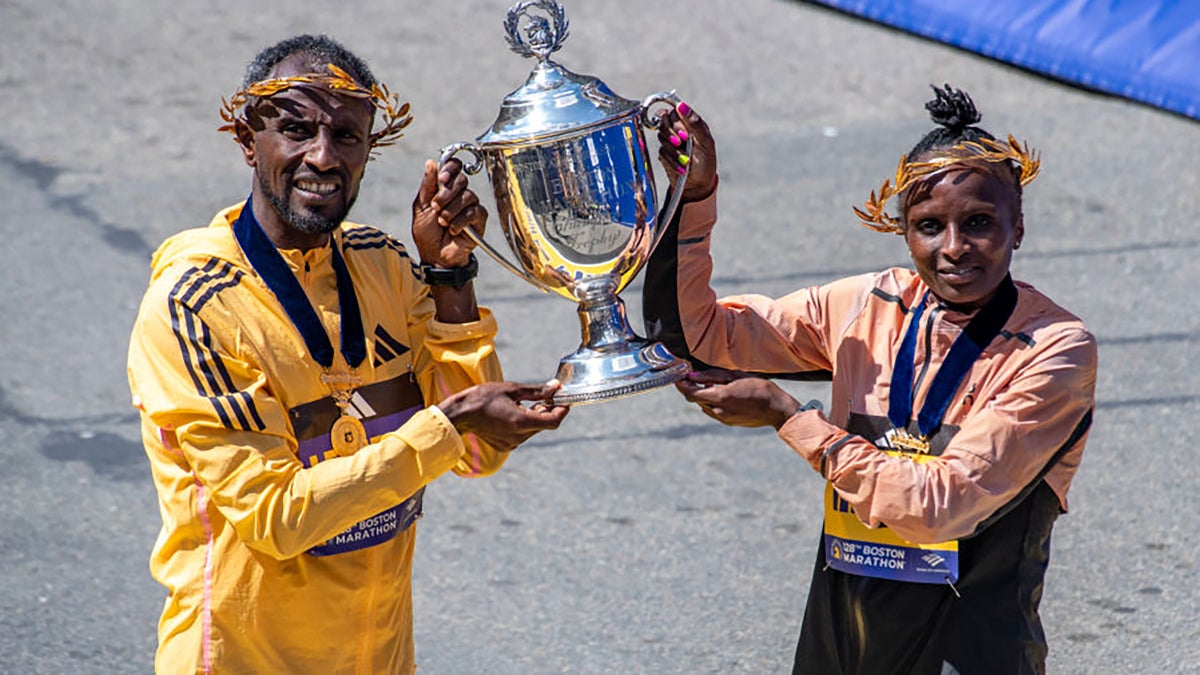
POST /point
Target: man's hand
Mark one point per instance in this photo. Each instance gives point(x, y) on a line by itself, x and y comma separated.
point(442, 211)
point(493, 412)
point(737, 399)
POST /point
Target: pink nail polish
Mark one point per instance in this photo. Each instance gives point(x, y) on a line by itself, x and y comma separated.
point(683, 109)
point(680, 170)
point(683, 134)
point(674, 140)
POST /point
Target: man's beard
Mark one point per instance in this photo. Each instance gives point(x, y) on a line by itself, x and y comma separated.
point(307, 223)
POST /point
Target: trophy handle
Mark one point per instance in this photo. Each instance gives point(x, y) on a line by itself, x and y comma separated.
point(651, 121)
point(449, 152)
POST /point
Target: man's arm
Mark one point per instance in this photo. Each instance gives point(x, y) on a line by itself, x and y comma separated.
point(455, 338)
point(209, 412)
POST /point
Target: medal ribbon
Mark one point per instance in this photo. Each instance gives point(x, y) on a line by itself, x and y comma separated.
point(270, 265)
point(967, 347)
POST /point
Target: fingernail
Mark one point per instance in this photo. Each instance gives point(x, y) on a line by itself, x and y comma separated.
point(683, 108)
point(680, 170)
point(683, 134)
point(674, 140)
point(684, 159)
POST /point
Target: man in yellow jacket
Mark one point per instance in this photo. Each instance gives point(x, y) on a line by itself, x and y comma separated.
point(301, 380)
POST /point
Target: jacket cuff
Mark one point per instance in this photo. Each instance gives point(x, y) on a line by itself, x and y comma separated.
point(485, 327)
point(810, 434)
point(436, 444)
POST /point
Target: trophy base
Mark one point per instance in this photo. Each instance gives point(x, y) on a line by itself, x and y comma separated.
point(617, 370)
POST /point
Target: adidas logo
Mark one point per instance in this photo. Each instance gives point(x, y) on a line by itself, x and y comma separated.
point(359, 407)
point(386, 347)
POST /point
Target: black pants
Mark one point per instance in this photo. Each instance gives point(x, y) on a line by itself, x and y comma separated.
point(863, 626)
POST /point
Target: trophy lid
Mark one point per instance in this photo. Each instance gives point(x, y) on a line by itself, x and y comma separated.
point(553, 100)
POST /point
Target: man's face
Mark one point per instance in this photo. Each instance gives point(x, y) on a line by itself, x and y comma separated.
point(961, 227)
point(309, 150)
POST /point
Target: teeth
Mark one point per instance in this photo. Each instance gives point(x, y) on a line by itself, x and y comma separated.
point(314, 186)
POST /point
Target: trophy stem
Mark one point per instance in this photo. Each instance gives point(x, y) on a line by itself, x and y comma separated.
point(613, 362)
point(602, 320)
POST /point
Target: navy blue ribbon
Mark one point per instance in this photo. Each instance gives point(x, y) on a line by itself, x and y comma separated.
point(967, 347)
point(266, 260)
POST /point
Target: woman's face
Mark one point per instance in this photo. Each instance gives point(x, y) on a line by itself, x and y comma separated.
point(961, 227)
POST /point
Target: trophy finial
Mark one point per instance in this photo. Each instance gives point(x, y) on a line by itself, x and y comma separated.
point(543, 35)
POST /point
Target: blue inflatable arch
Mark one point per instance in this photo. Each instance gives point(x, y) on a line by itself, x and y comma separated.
point(1144, 50)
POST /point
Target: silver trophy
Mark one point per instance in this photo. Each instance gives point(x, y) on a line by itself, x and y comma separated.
point(574, 189)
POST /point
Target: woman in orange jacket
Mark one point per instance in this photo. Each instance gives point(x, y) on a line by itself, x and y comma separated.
point(961, 402)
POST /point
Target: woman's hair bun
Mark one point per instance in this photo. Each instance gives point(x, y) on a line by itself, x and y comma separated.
point(953, 108)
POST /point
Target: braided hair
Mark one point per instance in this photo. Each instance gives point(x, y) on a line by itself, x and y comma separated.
point(956, 116)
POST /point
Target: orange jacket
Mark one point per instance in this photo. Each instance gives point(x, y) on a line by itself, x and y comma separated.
point(278, 558)
point(1025, 401)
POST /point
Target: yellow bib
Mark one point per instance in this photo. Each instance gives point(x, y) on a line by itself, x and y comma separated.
point(854, 548)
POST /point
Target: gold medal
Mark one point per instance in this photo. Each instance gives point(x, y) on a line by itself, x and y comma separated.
point(347, 435)
point(903, 441)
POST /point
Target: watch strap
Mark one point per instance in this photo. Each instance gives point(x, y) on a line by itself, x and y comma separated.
point(450, 276)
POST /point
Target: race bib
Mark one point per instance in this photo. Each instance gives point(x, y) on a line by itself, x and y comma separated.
point(854, 548)
point(374, 530)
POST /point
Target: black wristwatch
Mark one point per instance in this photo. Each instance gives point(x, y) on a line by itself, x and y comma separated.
point(450, 276)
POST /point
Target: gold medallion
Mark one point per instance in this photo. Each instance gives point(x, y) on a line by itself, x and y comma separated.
point(347, 435)
point(901, 440)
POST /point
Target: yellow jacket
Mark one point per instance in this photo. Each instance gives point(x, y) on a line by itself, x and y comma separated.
point(277, 556)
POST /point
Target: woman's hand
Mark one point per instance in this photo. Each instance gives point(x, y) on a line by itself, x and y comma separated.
point(737, 399)
point(674, 130)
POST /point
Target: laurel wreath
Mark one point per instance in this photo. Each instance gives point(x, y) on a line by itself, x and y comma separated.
point(987, 150)
point(544, 39)
point(396, 115)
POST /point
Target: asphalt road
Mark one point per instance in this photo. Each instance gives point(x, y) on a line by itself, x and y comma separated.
point(640, 537)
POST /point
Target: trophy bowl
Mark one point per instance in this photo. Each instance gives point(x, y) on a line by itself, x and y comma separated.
point(574, 189)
